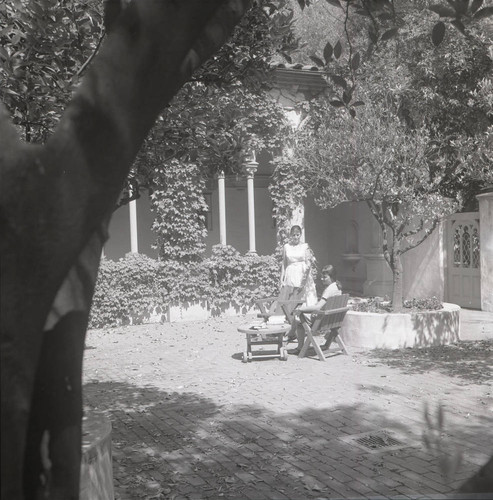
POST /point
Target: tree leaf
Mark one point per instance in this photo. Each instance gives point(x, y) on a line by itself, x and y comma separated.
point(475, 5)
point(358, 103)
point(458, 24)
point(338, 50)
point(352, 112)
point(373, 35)
point(346, 96)
point(337, 104)
point(389, 34)
point(355, 62)
point(386, 16)
point(438, 33)
point(287, 57)
point(339, 80)
point(443, 11)
point(461, 7)
point(328, 50)
point(335, 3)
point(486, 12)
point(317, 61)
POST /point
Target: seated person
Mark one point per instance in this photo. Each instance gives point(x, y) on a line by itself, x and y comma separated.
point(332, 287)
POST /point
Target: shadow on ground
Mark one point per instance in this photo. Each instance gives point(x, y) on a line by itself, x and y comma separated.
point(183, 445)
point(470, 361)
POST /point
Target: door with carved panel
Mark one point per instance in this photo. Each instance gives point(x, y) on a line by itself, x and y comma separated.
point(463, 246)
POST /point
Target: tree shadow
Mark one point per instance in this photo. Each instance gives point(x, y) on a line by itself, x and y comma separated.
point(470, 361)
point(173, 445)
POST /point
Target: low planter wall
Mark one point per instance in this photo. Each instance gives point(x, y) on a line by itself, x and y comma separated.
point(231, 310)
point(188, 311)
point(96, 472)
point(398, 330)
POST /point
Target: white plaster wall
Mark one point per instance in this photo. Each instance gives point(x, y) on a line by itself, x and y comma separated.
point(119, 230)
point(486, 256)
point(424, 268)
point(237, 221)
point(326, 234)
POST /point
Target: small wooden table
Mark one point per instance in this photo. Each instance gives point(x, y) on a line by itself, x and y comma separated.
point(257, 334)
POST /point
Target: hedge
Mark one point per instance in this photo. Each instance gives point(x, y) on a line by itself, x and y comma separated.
point(136, 286)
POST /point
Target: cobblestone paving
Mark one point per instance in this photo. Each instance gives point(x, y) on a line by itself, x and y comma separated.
point(191, 421)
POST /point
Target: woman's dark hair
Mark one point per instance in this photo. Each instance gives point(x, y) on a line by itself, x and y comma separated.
point(331, 271)
point(293, 228)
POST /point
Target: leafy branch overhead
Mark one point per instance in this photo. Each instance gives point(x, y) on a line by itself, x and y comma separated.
point(369, 25)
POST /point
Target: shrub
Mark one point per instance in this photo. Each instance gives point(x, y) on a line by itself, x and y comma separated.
point(239, 279)
point(380, 305)
point(132, 288)
point(126, 291)
point(183, 282)
point(427, 304)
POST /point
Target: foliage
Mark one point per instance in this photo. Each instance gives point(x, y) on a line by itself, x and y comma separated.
point(184, 282)
point(287, 190)
point(213, 122)
point(377, 159)
point(180, 208)
point(133, 288)
point(445, 89)
point(421, 145)
point(425, 304)
point(126, 290)
point(44, 47)
point(225, 111)
point(241, 279)
point(379, 305)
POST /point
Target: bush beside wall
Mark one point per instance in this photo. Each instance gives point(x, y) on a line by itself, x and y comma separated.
point(134, 287)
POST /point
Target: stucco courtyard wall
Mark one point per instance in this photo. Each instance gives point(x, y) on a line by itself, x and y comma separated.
point(348, 237)
point(486, 252)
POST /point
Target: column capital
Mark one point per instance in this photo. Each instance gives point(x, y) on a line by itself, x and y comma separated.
point(250, 167)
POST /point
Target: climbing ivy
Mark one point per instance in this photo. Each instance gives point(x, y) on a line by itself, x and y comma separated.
point(180, 212)
point(287, 190)
point(135, 287)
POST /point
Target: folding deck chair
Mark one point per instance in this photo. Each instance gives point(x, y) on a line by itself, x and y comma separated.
point(274, 306)
point(327, 320)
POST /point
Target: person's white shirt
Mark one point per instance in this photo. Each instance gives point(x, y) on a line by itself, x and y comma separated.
point(331, 291)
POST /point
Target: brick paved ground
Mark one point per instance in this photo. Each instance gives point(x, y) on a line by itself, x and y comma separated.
point(190, 420)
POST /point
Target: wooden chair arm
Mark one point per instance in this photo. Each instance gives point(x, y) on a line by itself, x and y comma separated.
point(330, 311)
point(268, 299)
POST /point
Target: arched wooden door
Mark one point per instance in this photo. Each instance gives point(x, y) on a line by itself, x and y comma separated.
point(463, 248)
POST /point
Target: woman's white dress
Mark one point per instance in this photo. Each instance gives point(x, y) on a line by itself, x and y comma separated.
point(297, 260)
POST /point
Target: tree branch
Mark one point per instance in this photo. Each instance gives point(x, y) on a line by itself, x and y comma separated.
point(91, 57)
point(419, 241)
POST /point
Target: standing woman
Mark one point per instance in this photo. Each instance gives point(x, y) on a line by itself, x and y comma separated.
point(297, 263)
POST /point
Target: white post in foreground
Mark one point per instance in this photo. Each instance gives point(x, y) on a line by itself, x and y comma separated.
point(251, 167)
point(134, 244)
point(222, 207)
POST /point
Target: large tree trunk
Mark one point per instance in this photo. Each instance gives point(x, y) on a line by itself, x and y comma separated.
point(55, 203)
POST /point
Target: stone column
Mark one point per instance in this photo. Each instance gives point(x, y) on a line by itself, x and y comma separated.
point(251, 167)
point(221, 188)
point(134, 245)
point(486, 249)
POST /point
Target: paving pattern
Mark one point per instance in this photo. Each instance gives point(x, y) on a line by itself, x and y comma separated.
point(192, 421)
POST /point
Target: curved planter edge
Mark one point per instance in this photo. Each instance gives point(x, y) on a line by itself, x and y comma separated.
point(399, 330)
